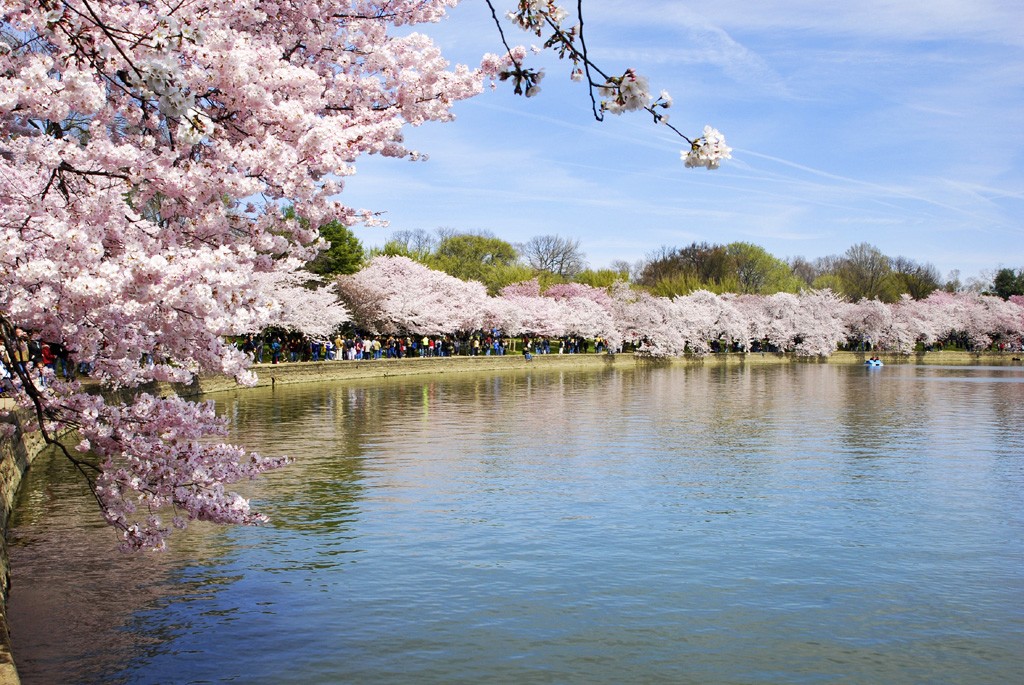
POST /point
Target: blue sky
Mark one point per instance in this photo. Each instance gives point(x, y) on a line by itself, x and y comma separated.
point(894, 122)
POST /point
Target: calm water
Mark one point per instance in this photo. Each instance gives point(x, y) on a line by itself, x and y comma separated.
point(791, 524)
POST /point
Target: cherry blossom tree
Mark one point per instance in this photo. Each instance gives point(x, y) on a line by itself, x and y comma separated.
point(810, 324)
point(936, 310)
point(896, 327)
point(588, 311)
point(582, 316)
point(732, 325)
point(735, 322)
point(752, 311)
point(524, 310)
point(521, 308)
point(705, 318)
point(297, 300)
point(911, 318)
point(530, 288)
point(781, 320)
point(950, 314)
point(569, 291)
point(988, 320)
point(870, 322)
point(647, 320)
point(145, 151)
point(820, 328)
point(398, 295)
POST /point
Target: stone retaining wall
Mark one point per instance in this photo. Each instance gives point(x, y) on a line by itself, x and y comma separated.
point(17, 453)
point(305, 372)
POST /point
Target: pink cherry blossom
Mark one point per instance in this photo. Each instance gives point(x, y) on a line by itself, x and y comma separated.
point(145, 152)
point(396, 294)
point(708, 150)
point(529, 288)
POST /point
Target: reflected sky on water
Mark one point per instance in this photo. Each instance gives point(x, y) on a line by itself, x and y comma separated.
point(801, 524)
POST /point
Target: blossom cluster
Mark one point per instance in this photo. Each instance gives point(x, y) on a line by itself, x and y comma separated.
point(707, 151)
point(532, 15)
point(626, 93)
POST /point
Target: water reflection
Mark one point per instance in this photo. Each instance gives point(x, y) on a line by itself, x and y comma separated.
point(682, 524)
point(73, 597)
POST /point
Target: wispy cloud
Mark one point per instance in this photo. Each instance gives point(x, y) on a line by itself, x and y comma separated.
point(895, 123)
point(988, 20)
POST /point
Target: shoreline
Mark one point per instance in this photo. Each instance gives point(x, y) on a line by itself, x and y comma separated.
point(308, 372)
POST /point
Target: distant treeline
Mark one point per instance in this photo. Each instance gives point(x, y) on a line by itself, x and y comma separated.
point(862, 272)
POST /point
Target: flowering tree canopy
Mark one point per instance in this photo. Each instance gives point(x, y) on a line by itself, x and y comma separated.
point(299, 301)
point(145, 152)
point(396, 294)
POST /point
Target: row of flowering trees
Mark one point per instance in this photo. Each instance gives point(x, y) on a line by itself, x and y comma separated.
point(396, 294)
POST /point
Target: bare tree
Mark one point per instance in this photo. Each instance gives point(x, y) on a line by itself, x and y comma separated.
point(981, 283)
point(803, 269)
point(915, 279)
point(629, 271)
point(418, 243)
point(554, 254)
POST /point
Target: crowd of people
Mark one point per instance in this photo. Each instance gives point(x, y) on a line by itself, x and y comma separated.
point(276, 348)
point(40, 360)
point(30, 356)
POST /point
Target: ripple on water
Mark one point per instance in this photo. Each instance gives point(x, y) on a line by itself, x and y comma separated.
point(684, 525)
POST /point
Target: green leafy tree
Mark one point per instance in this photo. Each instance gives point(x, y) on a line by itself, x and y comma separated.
point(1008, 282)
point(479, 257)
point(679, 283)
point(345, 254)
point(914, 279)
point(829, 280)
point(759, 273)
point(497, 277)
point(737, 267)
point(601, 278)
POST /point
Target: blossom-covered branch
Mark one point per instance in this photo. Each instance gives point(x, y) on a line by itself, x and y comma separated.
point(615, 93)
